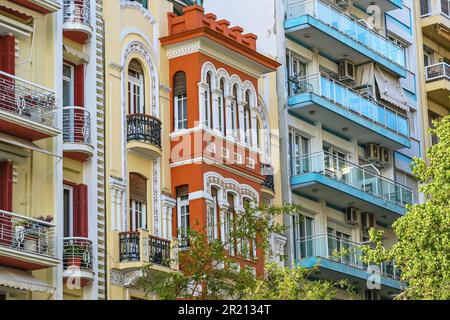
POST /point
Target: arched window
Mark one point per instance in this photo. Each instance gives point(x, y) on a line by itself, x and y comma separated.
point(138, 202)
point(208, 101)
point(247, 119)
point(136, 93)
point(221, 107)
point(212, 215)
point(180, 101)
point(228, 224)
point(235, 113)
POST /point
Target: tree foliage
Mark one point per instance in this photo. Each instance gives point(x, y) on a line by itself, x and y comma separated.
point(209, 272)
point(423, 248)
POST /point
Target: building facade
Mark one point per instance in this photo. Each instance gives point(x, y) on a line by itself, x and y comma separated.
point(350, 124)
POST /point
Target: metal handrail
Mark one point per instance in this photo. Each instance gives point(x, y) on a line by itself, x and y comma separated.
point(77, 11)
point(78, 253)
point(76, 125)
point(143, 127)
point(27, 99)
point(429, 8)
point(317, 8)
point(315, 84)
point(437, 71)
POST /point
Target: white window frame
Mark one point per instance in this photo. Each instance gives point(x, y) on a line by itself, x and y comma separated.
point(182, 201)
point(138, 215)
point(137, 81)
point(181, 123)
point(296, 166)
point(71, 81)
point(71, 204)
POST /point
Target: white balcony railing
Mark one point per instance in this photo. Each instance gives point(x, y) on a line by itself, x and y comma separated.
point(27, 100)
point(437, 71)
point(78, 253)
point(349, 99)
point(77, 12)
point(76, 125)
point(356, 176)
point(349, 27)
point(340, 250)
point(25, 234)
point(434, 7)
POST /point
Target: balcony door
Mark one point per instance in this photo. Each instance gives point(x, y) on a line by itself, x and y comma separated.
point(138, 202)
point(338, 245)
point(68, 211)
point(303, 231)
point(68, 85)
point(136, 95)
point(296, 71)
point(336, 165)
point(298, 152)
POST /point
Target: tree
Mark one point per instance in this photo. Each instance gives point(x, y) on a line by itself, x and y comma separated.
point(423, 248)
point(209, 272)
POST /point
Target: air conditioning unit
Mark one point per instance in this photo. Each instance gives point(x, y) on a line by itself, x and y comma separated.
point(367, 220)
point(385, 156)
point(343, 3)
point(351, 215)
point(372, 152)
point(346, 71)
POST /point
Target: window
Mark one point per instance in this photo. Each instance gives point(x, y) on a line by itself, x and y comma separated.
point(296, 69)
point(183, 215)
point(68, 211)
point(221, 107)
point(212, 216)
point(433, 117)
point(136, 96)
point(427, 57)
point(408, 181)
point(228, 224)
point(235, 114)
point(247, 119)
point(138, 202)
point(208, 102)
point(403, 45)
point(298, 151)
point(68, 85)
point(338, 242)
point(180, 101)
point(303, 232)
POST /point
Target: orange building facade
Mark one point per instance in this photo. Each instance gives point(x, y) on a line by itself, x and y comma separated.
point(218, 141)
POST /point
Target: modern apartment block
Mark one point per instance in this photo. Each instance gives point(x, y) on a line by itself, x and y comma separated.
point(125, 122)
point(433, 42)
point(350, 123)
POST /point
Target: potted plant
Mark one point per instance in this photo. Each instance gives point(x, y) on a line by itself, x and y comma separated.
point(73, 254)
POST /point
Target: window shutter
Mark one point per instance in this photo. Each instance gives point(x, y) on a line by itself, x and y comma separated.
point(80, 211)
point(8, 54)
point(79, 85)
point(179, 83)
point(138, 188)
point(6, 185)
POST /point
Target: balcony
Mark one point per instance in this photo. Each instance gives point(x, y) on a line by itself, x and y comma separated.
point(27, 110)
point(268, 185)
point(343, 184)
point(78, 259)
point(41, 6)
point(385, 5)
point(26, 243)
point(77, 133)
point(139, 247)
point(435, 16)
point(437, 77)
point(344, 110)
point(317, 24)
point(77, 24)
point(144, 134)
point(338, 258)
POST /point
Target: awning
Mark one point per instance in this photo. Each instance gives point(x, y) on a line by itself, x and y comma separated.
point(23, 280)
point(24, 144)
point(390, 88)
point(76, 54)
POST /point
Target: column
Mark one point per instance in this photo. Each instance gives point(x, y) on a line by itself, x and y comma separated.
point(254, 132)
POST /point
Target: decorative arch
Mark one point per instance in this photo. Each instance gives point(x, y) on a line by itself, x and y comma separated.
point(235, 80)
point(248, 86)
point(208, 67)
point(223, 74)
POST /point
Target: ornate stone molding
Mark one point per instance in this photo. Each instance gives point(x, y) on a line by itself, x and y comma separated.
point(124, 4)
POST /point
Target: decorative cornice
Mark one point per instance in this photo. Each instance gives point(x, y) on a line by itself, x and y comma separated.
point(125, 4)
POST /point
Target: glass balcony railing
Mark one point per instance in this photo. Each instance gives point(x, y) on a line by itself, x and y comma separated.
point(362, 178)
point(349, 99)
point(438, 7)
point(343, 251)
point(357, 30)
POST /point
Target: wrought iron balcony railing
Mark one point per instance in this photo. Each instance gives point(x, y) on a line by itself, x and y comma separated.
point(349, 27)
point(27, 100)
point(78, 253)
point(77, 12)
point(437, 71)
point(356, 176)
point(158, 249)
point(350, 99)
point(267, 171)
point(340, 250)
point(76, 125)
point(430, 8)
point(25, 234)
point(145, 128)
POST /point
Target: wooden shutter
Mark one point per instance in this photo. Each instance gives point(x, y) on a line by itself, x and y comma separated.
point(8, 54)
point(138, 188)
point(182, 191)
point(6, 185)
point(179, 83)
point(79, 85)
point(80, 211)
